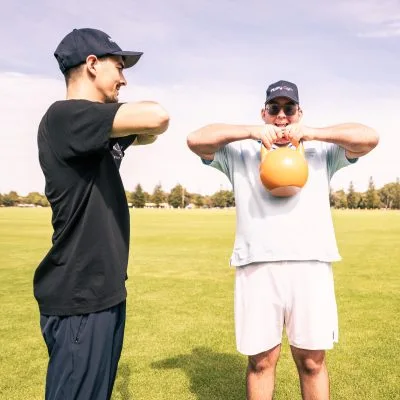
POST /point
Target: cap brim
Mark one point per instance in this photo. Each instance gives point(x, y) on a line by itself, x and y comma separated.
point(286, 95)
point(130, 57)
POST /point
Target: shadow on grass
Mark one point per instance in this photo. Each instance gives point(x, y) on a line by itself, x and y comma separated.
point(122, 385)
point(213, 376)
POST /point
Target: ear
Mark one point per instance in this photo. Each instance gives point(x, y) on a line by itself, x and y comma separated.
point(300, 113)
point(91, 64)
point(263, 111)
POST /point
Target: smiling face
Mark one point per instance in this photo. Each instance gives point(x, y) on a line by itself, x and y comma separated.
point(286, 112)
point(109, 78)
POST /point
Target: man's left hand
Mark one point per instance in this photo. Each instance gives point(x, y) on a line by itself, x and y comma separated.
point(295, 133)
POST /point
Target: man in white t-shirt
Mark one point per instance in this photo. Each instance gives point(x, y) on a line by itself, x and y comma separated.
point(283, 247)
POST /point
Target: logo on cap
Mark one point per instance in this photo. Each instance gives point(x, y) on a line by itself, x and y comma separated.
point(281, 88)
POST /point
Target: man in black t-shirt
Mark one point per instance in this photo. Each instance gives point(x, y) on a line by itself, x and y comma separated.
point(80, 284)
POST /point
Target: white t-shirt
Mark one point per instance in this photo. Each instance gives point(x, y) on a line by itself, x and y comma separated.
point(272, 228)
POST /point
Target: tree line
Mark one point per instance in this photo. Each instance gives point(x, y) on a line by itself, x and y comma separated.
point(386, 197)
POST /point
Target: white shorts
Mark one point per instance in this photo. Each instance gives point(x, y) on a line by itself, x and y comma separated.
point(297, 294)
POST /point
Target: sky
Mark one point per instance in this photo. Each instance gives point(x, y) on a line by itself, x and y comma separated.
point(209, 61)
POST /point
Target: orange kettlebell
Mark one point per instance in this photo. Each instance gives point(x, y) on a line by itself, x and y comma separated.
point(283, 171)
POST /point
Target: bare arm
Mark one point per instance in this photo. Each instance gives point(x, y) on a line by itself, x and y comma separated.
point(144, 139)
point(356, 139)
point(142, 118)
point(206, 141)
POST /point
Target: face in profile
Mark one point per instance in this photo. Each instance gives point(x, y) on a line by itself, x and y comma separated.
point(110, 77)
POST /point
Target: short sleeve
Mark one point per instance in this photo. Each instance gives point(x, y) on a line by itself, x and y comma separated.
point(336, 158)
point(123, 142)
point(78, 128)
point(220, 161)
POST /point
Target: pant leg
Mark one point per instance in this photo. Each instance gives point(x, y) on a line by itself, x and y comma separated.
point(117, 346)
point(84, 351)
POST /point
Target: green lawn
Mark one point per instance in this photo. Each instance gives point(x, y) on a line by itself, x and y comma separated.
point(179, 341)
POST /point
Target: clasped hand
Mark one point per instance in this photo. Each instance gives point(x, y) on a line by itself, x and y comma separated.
point(271, 134)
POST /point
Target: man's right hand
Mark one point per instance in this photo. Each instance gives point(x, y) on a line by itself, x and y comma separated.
point(268, 134)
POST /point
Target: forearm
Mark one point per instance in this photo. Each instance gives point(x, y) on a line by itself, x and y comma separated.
point(144, 139)
point(356, 139)
point(209, 139)
point(141, 118)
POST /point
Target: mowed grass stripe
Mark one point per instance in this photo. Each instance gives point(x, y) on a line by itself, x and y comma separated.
point(179, 341)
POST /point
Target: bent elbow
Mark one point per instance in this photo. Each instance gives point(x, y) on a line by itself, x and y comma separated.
point(373, 140)
point(191, 141)
point(161, 119)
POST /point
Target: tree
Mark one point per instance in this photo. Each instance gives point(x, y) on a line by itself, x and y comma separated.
point(390, 195)
point(340, 199)
point(11, 199)
point(218, 200)
point(207, 202)
point(331, 197)
point(396, 202)
point(198, 200)
point(372, 197)
point(138, 199)
point(177, 197)
point(147, 197)
point(352, 197)
point(158, 196)
point(37, 199)
point(223, 198)
point(230, 198)
point(363, 201)
point(387, 195)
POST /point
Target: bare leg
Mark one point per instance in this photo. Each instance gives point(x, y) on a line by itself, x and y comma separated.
point(261, 374)
point(313, 374)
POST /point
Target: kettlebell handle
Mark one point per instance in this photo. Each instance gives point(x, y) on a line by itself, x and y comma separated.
point(264, 151)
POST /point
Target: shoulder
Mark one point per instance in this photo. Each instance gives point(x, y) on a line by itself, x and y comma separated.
point(76, 110)
point(71, 106)
point(65, 108)
point(67, 105)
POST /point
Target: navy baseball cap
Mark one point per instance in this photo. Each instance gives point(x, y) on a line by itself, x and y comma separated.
point(80, 43)
point(282, 89)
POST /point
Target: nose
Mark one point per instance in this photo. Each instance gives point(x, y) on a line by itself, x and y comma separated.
point(281, 113)
point(122, 80)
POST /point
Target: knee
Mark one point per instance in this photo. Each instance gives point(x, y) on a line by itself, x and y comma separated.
point(261, 363)
point(310, 365)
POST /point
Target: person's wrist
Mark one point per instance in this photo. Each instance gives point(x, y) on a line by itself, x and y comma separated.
point(310, 133)
point(247, 129)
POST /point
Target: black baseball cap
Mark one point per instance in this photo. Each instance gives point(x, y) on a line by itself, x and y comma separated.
point(80, 43)
point(282, 89)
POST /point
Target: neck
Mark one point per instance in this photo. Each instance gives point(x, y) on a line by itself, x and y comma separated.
point(83, 91)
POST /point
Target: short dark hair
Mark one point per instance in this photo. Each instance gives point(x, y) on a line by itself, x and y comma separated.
point(71, 73)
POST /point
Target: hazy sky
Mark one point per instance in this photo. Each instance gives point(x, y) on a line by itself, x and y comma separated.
point(209, 61)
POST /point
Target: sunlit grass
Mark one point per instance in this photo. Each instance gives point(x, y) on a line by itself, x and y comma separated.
point(179, 341)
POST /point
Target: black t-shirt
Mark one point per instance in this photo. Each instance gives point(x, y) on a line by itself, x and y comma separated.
point(85, 270)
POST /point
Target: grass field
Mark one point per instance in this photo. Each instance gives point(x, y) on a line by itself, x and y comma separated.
point(179, 342)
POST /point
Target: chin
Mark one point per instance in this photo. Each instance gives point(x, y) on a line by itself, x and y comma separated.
point(111, 100)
